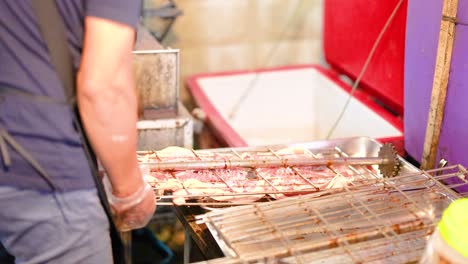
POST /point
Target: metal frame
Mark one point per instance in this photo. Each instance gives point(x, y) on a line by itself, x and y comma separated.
point(382, 220)
point(221, 188)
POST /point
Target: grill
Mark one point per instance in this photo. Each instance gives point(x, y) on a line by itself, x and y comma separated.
point(382, 220)
point(232, 185)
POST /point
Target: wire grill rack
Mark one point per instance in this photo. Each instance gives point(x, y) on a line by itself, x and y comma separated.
point(220, 187)
point(384, 220)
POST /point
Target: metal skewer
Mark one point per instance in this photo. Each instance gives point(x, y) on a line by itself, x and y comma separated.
point(231, 164)
point(387, 160)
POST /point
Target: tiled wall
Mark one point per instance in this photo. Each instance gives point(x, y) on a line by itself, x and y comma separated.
point(224, 35)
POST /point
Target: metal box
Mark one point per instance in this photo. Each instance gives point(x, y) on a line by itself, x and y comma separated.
point(163, 120)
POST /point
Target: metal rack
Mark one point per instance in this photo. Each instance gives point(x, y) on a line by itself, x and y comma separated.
point(220, 187)
point(383, 220)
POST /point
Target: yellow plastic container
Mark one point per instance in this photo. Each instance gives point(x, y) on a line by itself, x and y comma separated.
point(449, 243)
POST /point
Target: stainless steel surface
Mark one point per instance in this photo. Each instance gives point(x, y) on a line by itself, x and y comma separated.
point(165, 132)
point(384, 220)
point(157, 81)
point(219, 190)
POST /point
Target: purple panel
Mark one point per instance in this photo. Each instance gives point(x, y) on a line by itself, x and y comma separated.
point(454, 136)
point(453, 144)
point(462, 15)
point(422, 34)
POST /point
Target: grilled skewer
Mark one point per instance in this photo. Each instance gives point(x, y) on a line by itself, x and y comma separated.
point(387, 160)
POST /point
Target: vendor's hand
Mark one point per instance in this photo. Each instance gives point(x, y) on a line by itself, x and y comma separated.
point(138, 215)
point(133, 211)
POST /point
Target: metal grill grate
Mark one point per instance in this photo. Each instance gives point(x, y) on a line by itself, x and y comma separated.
point(382, 220)
point(242, 186)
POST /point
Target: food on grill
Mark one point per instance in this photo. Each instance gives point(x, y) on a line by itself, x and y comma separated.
point(240, 184)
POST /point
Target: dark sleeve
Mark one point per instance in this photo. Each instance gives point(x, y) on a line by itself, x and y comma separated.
point(122, 11)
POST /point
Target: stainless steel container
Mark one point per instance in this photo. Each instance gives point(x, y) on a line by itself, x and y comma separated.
point(163, 120)
point(155, 134)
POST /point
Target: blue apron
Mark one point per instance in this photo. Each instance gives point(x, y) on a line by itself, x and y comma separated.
point(7, 139)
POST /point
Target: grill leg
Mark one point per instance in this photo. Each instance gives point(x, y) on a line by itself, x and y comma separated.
point(127, 241)
point(187, 248)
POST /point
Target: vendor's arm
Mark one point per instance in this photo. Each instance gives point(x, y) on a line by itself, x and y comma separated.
point(107, 100)
point(108, 106)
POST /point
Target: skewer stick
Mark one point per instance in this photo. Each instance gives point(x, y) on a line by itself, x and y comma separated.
point(439, 88)
point(230, 164)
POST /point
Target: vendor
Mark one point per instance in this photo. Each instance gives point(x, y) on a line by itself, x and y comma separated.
point(50, 210)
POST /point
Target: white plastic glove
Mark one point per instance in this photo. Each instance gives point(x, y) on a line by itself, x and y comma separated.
point(133, 211)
